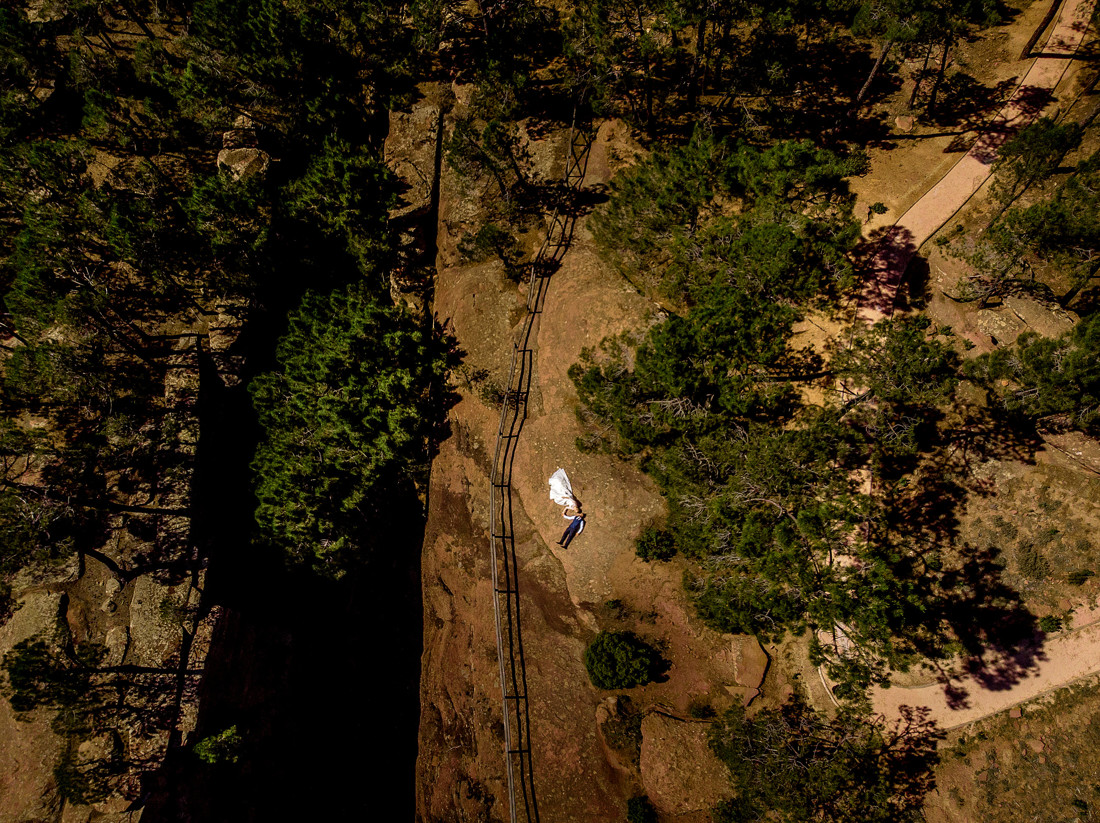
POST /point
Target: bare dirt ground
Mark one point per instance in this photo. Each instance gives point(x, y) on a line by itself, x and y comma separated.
point(590, 751)
point(1032, 763)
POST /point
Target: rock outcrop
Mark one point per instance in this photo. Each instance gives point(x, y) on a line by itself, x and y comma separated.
point(137, 598)
point(243, 163)
point(680, 774)
point(584, 743)
point(413, 151)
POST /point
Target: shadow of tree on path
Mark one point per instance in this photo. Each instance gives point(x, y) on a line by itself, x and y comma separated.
point(974, 627)
point(966, 103)
point(883, 258)
point(1029, 102)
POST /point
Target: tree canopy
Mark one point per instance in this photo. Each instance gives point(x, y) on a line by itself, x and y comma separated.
point(346, 415)
point(1048, 376)
point(792, 764)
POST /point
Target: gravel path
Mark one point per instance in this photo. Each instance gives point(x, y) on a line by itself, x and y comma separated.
point(1043, 668)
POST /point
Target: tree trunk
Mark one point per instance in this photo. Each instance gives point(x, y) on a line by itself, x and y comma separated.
point(1077, 287)
point(651, 124)
point(131, 12)
point(874, 70)
point(10, 329)
point(1053, 10)
point(939, 76)
point(697, 66)
point(723, 41)
point(920, 76)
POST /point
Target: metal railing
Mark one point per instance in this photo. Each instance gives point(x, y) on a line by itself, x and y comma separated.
point(513, 674)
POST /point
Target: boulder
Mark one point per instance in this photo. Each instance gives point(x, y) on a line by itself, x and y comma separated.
point(243, 163)
point(117, 641)
point(155, 636)
point(28, 747)
point(93, 749)
point(47, 575)
point(679, 771)
point(1045, 319)
point(752, 664)
point(1001, 325)
point(1073, 449)
point(411, 152)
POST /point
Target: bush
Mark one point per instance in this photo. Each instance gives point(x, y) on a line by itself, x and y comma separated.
point(640, 810)
point(655, 544)
point(1031, 562)
point(490, 241)
point(346, 416)
point(1050, 623)
point(1079, 577)
point(223, 747)
point(701, 710)
point(621, 660)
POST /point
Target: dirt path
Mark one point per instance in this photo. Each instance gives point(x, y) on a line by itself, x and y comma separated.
point(1056, 663)
point(1032, 97)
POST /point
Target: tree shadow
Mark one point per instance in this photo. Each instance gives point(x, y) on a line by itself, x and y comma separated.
point(809, 95)
point(966, 103)
point(299, 663)
point(1029, 102)
point(973, 618)
point(913, 293)
point(883, 258)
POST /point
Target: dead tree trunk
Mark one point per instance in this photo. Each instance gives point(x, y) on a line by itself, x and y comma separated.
point(1053, 10)
point(698, 67)
point(874, 70)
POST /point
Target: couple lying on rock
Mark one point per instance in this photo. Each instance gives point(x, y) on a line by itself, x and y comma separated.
point(561, 492)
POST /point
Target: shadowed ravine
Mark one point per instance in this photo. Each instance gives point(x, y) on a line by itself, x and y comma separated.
point(320, 677)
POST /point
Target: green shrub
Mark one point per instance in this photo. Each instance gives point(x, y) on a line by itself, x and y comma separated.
point(1050, 623)
point(616, 609)
point(1032, 563)
point(623, 731)
point(1007, 528)
point(640, 810)
point(223, 747)
point(492, 240)
point(621, 660)
point(1079, 577)
point(655, 544)
point(701, 710)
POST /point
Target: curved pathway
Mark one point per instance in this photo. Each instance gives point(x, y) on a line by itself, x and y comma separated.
point(1049, 663)
point(1055, 662)
point(940, 203)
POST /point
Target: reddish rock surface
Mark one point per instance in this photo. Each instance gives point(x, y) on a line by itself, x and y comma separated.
point(679, 771)
point(566, 595)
